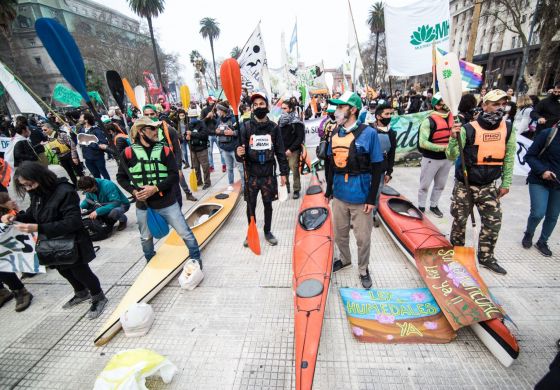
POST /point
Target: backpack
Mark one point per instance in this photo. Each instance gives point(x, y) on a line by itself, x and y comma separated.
point(98, 229)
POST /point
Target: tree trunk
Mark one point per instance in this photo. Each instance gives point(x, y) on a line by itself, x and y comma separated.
point(375, 60)
point(214, 61)
point(158, 70)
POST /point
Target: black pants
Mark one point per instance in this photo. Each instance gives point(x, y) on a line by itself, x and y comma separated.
point(267, 213)
point(11, 279)
point(68, 165)
point(81, 277)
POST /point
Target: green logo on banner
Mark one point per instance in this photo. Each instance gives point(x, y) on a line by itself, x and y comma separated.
point(427, 34)
point(447, 73)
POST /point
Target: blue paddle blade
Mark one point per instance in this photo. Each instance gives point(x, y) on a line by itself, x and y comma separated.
point(156, 224)
point(64, 52)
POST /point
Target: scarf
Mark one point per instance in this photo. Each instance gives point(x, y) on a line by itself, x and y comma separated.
point(288, 118)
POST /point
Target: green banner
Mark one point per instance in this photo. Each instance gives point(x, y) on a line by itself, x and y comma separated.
point(67, 96)
point(95, 96)
point(407, 127)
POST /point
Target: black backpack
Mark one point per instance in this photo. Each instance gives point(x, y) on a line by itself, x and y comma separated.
point(98, 229)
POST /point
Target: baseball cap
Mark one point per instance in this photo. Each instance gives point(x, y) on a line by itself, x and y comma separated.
point(331, 108)
point(494, 96)
point(211, 99)
point(348, 98)
point(436, 98)
point(261, 95)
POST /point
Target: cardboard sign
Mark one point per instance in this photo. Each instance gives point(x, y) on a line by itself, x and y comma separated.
point(260, 142)
point(17, 251)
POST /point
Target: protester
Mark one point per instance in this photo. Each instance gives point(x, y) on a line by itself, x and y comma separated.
point(181, 124)
point(119, 139)
point(94, 152)
point(293, 136)
point(522, 122)
point(414, 102)
point(149, 172)
point(261, 142)
point(61, 144)
point(54, 212)
point(427, 103)
point(543, 157)
point(227, 134)
point(16, 288)
point(37, 139)
point(208, 115)
point(489, 150)
point(433, 139)
point(467, 108)
point(104, 201)
point(356, 167)
point(20, 149)
point(547, 111)
point(367, 117)
point(197, 138)
point(511, 95)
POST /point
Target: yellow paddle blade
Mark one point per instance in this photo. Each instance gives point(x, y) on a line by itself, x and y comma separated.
point(193, 181)
point(253, 237)
point(185, 96)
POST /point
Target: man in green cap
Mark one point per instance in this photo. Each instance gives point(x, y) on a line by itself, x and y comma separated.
point(433, 138)
point(355, 160)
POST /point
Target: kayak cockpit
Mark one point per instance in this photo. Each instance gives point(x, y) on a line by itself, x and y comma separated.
point(313, 218)
point(405, 208)
point(202, 214)
point(309, 288)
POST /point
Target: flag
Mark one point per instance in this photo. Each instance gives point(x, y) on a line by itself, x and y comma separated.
point(67, 96)
point(23, 101)
point(410, 29)
point(293, 40)
point(252, 59)
point(304, 96)
point(95, 96)
point(471, 74)
point(353, 64)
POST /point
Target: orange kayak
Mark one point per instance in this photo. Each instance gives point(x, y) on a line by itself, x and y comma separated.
point(312, 266)
point(411, 230)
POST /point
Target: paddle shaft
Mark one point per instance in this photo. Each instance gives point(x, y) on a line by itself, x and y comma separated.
point(245, 174)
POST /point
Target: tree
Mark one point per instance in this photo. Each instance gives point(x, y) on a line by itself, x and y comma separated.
point(8, 13)
point(209, 29)
point(150, 9)
point(376, 23)
point(235, 52)
point(199, 64)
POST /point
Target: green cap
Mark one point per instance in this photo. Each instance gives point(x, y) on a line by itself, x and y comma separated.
point(436, 98)
point(349, 98)
point(331, 108)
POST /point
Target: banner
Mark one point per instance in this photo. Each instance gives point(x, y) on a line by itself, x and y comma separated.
point(24, 102)
point(521, 168)
point(67, 96)
point(313, 77)
point(407, 127)
point(312, 132)
point(252, 59)
point(17, 251)
point(4, 142)
point(411, 28)
point(451, 275)
point(395, 316)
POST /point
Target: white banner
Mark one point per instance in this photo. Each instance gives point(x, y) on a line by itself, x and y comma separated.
point(252, 59)
point(521, 168)
point(17, 251)
point(411, 27)
point(4, 142)
point(24, 102)
point(312, 132)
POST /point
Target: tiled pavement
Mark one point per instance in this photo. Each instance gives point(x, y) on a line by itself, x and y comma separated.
point(235, 331)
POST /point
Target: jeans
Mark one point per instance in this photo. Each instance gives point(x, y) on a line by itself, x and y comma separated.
point(97, 168)
point(185, 151)
point(175, 219)
point(545, 203)
point(230, 164)
point(118, 213)
point(211, 141)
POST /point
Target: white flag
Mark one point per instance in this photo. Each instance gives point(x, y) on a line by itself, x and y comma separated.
point(411, 27)
point(24, 102)
point(353, 65)
point(252, 60)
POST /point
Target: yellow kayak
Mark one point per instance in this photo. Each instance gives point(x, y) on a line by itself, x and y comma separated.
point(205, 220)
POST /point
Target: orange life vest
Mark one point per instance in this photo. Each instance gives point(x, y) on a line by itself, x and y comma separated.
point(490, 145)
point(5, 173)
point(441, 134)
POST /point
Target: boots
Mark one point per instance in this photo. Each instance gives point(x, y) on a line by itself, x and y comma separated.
point(98, 302)
point(79, 297)
point(5, 296)
point(23, 299)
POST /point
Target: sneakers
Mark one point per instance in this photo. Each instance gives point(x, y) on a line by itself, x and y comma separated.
point(338, 265)
point(206, 186)
point(422, 209)
point(527, 241)
point(23, 299)
point(27, 275)
point(543, 248)
point(122, 226)
point(98, 303)
point(295, 195)
point(229, 188)
point(5, 296)
point(366, 280)
point(223, 168)
point(376, 222)
point(271, 239)
point(79, 297)
point(436, 211)
point(192, 198)
point(493, 266)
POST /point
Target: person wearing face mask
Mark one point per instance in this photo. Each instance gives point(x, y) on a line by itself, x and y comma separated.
point(208, 115)
point(94, 153)
point(227, 141)
point(547, 111)
point(197, 137)
point(260, 142)
point(149, 172)
point(353, 181)
point(489, 150)
point(433, 138)
point(293, 136)
point(181, 125)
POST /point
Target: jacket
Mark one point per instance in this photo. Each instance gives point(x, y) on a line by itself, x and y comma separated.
point(293, 136)
point(549, 109)
point(210, 123)
point(227, 142)
point(23, 151)
point(57, 214)
point(549, 161)
point(108, 195)
point(92, 151)
point(199, 135)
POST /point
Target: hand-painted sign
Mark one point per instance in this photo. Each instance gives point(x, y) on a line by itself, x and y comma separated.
point(451, 276)
point(17, 251)
point(395, 316)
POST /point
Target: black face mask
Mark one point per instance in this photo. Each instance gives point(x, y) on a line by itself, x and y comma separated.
point(260, 112)
point(385, 121)
point(149, 141)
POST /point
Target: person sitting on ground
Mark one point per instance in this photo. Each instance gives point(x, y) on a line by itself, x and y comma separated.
point(104, 200)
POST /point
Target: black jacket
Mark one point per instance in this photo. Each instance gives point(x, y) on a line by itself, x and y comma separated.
point(57, 214)
point(549, 161)
point(36, 137)
point(199, 135)
point(23, 151)
point(210, 123)
point(293, 136)
point(548, 109)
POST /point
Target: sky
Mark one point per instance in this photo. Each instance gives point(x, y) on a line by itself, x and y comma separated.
point(322, 27)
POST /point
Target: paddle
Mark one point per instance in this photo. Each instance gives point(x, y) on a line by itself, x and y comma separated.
point(230, 76)
point(116, 86)
point(186, 101)
point(451, 88)
point(67, 57)
point(130, 93)
point(140, 93)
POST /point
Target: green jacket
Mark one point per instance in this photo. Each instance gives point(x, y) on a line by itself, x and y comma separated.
point(108, 195)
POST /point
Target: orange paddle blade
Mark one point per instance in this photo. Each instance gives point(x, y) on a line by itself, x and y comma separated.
point(130, 93)
point(253, 237)
point(230, 74)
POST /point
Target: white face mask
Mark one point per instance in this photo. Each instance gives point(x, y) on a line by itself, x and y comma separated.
point(339, 116)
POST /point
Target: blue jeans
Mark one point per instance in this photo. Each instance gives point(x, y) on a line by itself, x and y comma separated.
point(118, 213)
point(175, 219)
point(185, 151)
point(545, 203)
point(97, 168)
point(214, 140)
point(230, 164)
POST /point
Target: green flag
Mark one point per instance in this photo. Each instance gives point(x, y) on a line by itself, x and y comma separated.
point(67, 96)
point(95, 96)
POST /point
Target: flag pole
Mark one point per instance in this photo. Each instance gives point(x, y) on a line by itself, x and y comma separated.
point(358, 44)
point(433, 67)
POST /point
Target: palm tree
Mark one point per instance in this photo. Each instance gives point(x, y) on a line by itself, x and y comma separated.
point(235, 52)
point(209, 29)
point(150, 9)
point(200, 64)
point(376, 23)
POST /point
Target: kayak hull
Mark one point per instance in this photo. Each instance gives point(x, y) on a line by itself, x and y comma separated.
point(171, 256)
point(411, 231)
point(312, 266)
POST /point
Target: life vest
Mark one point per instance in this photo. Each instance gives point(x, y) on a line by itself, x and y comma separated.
point(440, 135)
point(163, 136)
point(148, 170)
point(490, 144)
point(5, 173)
point(345, 156)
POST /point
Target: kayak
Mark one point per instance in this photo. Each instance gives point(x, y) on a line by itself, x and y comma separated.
point(312, 266)
point(205, 220)
point(411, 230)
